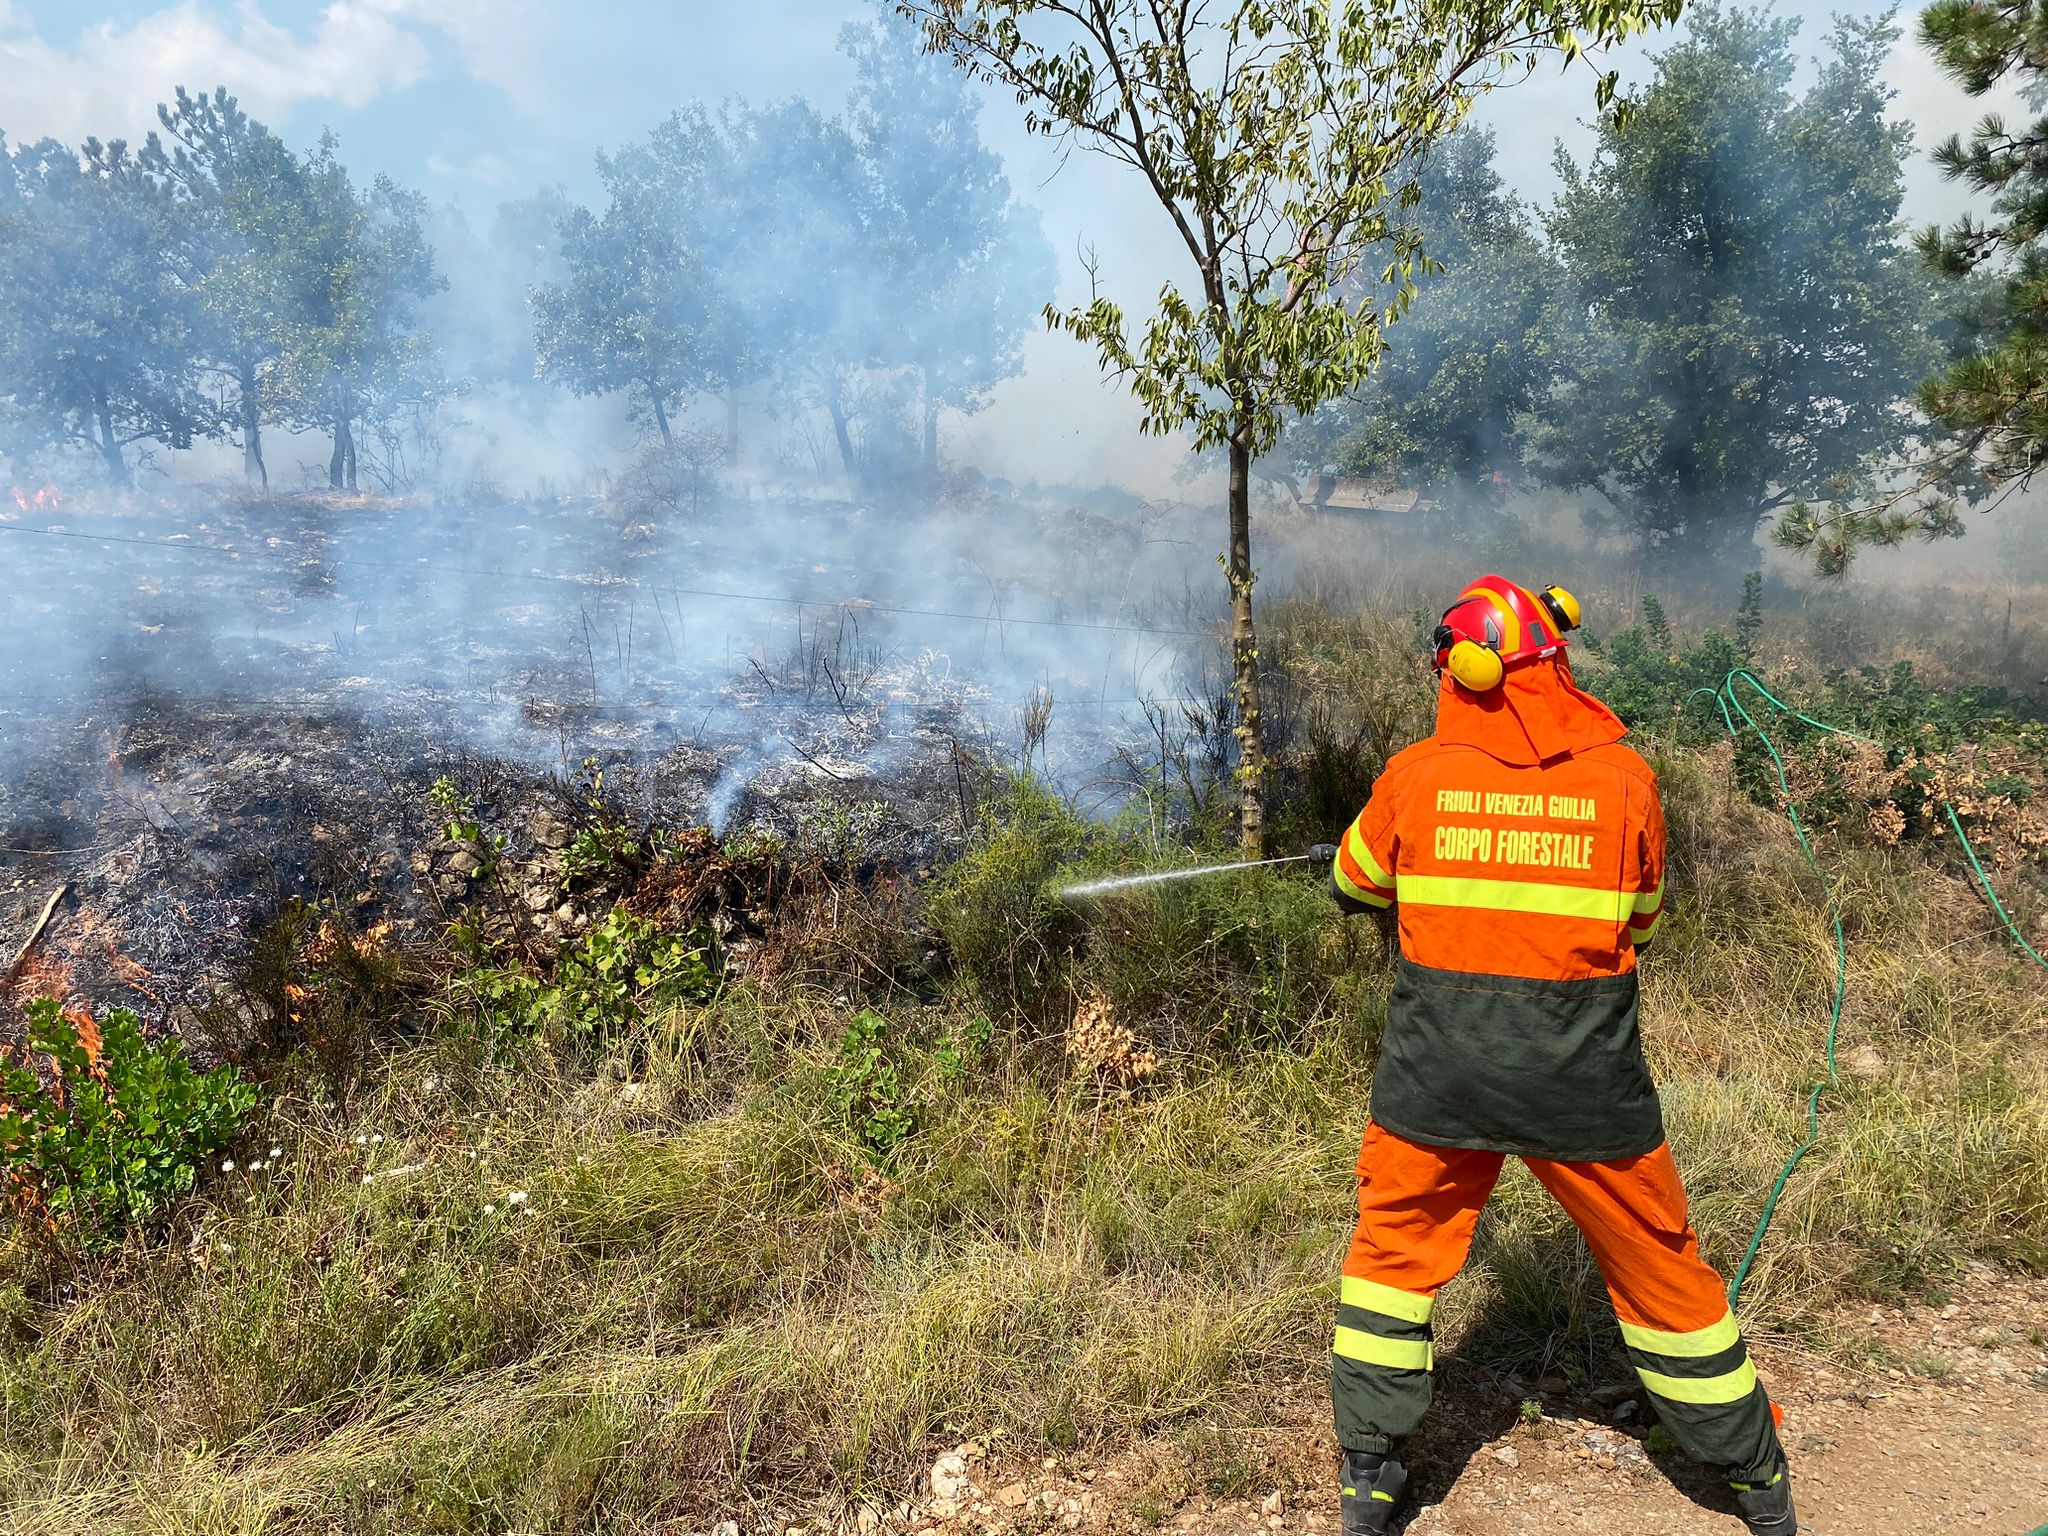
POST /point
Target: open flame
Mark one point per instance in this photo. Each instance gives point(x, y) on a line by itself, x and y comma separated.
point(44, 500)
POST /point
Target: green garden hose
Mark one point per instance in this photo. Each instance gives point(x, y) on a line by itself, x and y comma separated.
point(1729, 701)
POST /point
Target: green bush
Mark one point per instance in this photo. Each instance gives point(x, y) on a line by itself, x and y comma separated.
point(118, 1132)
point(623, 970)
point(868, 1089)
point(1010, 936)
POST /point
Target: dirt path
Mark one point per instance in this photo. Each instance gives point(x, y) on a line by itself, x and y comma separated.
point(1927, 1420)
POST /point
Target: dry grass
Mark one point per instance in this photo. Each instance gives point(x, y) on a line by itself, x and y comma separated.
point(697, 1310)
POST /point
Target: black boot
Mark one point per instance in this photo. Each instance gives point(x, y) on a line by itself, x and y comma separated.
point(1372, 1492)
point(1767, 1507)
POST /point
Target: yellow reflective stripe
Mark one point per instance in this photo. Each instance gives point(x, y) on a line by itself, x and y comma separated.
point(1354, 840)
point(1730, 1388)
point(1697, 1345)
point(1644, 935)
point(1648, 901)
point(1358, 893)
point(1385, 1300)
point(1514, 896)
point(1396, 1354)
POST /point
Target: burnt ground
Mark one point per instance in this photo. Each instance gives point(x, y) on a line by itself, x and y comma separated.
point(1920, 1418)
point(211, 707)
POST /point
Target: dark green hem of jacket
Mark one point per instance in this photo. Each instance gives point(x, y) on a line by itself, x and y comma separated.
point(1511, 1064)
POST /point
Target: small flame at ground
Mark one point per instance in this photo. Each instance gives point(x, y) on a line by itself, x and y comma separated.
point(36, 501)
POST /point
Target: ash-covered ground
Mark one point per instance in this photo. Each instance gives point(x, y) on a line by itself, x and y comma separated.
point(210, 706)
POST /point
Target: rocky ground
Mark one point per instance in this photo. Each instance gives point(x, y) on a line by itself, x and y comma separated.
point(1917, 1418)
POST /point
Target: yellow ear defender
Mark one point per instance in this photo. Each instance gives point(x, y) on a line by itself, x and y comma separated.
point(1476, 666)
point(1562, 607)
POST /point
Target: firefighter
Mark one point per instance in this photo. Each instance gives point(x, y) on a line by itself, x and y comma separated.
point(1521, 851)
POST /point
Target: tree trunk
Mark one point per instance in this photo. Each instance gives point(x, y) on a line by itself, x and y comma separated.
point(253, 468)
point(1244, 658)
point(341, 464)
point(840, 432)
point(110, 451)
point(668, 439)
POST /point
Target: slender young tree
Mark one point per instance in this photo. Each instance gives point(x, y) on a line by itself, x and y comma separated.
point(1279, 139)
point(357, 356)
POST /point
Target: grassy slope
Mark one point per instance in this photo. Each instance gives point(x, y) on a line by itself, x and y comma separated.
point(703, 1303)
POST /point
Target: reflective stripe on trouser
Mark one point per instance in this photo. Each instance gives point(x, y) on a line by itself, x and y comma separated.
point(1673, 1309)
point(1417, 1208)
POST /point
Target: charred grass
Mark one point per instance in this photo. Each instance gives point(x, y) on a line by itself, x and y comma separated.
point(528, 1284)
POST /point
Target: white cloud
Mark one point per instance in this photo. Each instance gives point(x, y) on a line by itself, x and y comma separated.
point(108, 80)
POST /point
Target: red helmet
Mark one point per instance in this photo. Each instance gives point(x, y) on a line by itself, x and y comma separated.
point(1495, 624)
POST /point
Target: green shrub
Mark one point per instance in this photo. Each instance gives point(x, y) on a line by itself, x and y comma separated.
point(868, 1089)
point(1010, 936)
point(463, 826)
point(623, 970)
point(118, 1132)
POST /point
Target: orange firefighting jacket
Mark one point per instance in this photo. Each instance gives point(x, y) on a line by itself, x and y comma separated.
point(1523, 847)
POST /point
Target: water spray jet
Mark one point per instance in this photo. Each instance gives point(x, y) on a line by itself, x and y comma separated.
point(1091, 890)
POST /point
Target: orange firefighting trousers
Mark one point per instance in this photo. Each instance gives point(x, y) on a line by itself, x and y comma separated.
point(1417, 1207)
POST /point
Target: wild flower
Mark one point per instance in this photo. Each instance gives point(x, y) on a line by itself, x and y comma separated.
point(490, 1210)
point(517, 1197)
point(227, 1165)
point(276, 1153)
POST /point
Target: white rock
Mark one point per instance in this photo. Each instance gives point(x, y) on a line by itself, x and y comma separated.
point(1507, 1455)
point(1271, 1504)
point(949, 1478)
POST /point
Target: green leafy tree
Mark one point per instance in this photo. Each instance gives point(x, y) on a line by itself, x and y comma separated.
point(1439, 412)
point(801, 284)
point(357, 361)
point(635, 312)
point(967, 266)
point(97, 342)
point(243, 198)
point(1741, 324)
point(1986, 410)
point(1279, 139)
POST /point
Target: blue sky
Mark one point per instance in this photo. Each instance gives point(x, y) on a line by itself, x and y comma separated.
point(476, 101)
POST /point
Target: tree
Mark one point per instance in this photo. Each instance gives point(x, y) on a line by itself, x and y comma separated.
point(95, 331)
point(1278, 138)
point(356, 356)
point(969, 268)
point(1742, 324)
point(243, 198)
point(635, 312)
point(805, 289)
point(1472, 356)
point(1986, 410)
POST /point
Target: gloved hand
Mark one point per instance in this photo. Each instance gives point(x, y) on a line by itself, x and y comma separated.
point(1323, 853)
